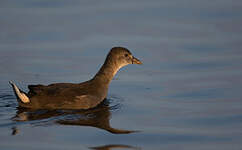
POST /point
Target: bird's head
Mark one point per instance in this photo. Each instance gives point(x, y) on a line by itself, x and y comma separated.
point(121, 57)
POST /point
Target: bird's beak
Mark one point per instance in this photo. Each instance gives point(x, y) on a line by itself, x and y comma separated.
point(136, 61)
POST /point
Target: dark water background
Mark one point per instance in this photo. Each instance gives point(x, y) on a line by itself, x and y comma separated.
point(187, 95)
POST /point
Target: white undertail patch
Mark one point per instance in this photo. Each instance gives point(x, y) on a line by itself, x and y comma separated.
point(19, 94)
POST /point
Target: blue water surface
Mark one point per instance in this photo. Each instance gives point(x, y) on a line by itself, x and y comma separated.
point(186, 95)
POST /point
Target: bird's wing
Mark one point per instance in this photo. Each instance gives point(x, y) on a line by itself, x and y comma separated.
point(87, 101)
point(35, 89)
point(51, 89)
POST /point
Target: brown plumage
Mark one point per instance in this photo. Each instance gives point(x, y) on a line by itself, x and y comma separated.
point(76, 96)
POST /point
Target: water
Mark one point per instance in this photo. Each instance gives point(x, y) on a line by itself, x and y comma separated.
point(187, 95)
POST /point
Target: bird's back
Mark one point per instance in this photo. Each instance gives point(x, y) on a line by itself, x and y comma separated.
point(63, 96)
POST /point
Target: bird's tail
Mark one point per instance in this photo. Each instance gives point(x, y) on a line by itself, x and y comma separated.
point(19, 94)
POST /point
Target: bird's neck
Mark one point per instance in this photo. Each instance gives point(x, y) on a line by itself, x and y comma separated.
point(106, 72)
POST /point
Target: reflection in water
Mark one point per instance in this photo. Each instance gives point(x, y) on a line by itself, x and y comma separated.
point(110, 147)
point(15, 131)
point(98, 117)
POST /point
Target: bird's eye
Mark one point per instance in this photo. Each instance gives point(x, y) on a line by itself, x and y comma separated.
point(126, 55)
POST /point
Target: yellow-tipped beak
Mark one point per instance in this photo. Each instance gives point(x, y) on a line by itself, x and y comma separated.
point(136, 61)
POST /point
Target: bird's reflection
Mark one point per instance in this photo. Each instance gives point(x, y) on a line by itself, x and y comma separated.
point(117, 146)
point(98, 117)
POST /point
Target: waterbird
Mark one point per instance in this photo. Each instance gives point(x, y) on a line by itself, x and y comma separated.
point(83, 95)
